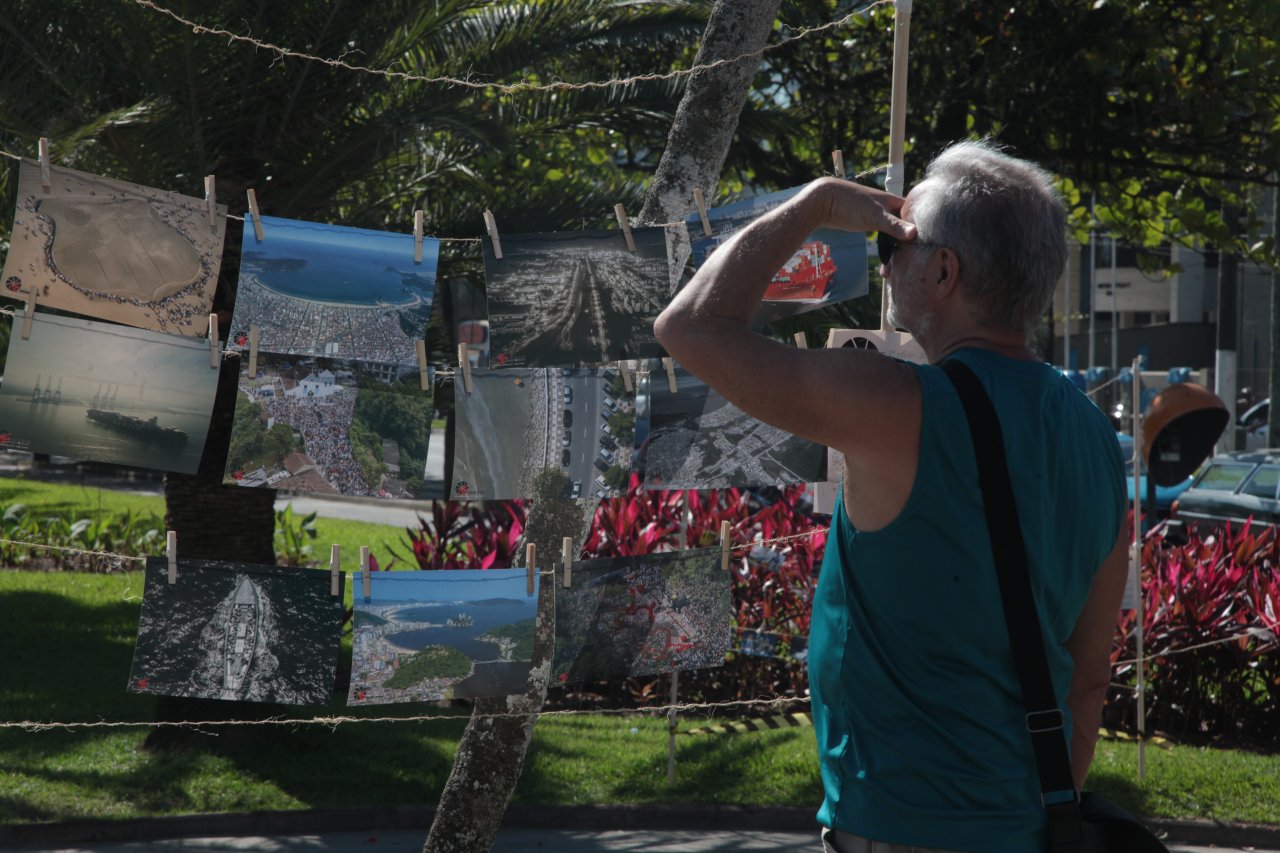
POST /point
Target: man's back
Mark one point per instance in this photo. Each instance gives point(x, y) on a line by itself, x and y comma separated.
point(916, 706)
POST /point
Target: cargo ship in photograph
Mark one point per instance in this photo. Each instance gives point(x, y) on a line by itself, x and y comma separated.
point(240, 637)
point(148, 429)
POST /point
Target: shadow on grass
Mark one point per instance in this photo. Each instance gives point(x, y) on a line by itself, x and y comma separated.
point(1120, 790)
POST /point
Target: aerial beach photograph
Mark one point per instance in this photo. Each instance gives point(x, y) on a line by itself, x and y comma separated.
point(114, 250)
point(333, 291)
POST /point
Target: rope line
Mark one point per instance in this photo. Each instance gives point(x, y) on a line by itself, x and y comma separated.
point(507, 88)
point(37, 726)
point(1110, 381)
point(1183, 649)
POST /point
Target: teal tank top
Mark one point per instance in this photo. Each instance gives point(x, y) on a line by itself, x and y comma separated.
point(916, 706)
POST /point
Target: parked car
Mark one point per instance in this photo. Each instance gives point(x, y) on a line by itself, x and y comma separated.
point(577, 489)
point(1233, 487)
point(568, 418)
point(568, 395)
point(568, 437)
point(1165, 495)
point(601, 464)
point(566, 458)
point(1254, 424)
point(609, 404)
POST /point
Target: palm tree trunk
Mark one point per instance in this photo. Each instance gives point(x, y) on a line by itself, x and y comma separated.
point(491, 755)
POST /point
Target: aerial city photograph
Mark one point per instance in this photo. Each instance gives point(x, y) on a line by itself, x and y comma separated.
point(830, 267)
point(423, 636)
point(628, 616)
point(326, 426)
point(696, 439)
point(107, 393)
point(114, 250)
point(237, 632)
point(516, 423)
point(577, 298)
point(328, 290)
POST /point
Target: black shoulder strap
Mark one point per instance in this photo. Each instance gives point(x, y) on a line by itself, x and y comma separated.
point(1044, 718)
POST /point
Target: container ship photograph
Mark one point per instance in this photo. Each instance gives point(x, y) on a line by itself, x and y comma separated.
point(147, 429)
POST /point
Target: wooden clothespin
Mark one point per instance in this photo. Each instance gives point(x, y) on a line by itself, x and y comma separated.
point(837, 159)
point(366, 577)
point(257, 217)
point(625, 370)
point(491, 228)
point(211, 202)
point(334, 575)
point(702, 211)
point(171, 551)
point(46, 179)
point(30, 314)
point(801, 341)
point(464, 364)
point(424, 374)
point(724, 546)
point(215, 357)
point(417, 236)
point(566, 548)
point(255, 335)
point(625, 225)
point(531, 563)
point(669, 363)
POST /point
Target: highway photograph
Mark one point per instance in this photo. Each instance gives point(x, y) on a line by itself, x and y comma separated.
point(575, 297)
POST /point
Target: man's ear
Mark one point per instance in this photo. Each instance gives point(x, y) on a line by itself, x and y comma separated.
point(947, 271)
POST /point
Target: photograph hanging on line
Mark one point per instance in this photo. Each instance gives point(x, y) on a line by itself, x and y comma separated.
point(628, 616)
point(696, 439)
point(523, 431)
point(830, 267)
point(575, 298)
point(424, 636)
point(332, 291)
point(114, 250)
point(331, 427)
point(106, 393)
point(238, 632)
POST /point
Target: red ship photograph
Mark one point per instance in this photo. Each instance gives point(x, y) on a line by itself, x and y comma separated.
point(805, 275)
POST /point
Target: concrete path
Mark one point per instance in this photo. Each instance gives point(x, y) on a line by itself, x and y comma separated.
point(511, 841)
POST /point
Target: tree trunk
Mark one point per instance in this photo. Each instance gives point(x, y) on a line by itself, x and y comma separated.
point(491, 754)
point(214, 522)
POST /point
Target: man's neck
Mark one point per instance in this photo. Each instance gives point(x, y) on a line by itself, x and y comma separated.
point(1009, 345)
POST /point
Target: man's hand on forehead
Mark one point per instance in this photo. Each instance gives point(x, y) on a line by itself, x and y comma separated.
point(854, 207)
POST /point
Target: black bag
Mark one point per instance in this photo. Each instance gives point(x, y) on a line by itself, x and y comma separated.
point(1078, 822)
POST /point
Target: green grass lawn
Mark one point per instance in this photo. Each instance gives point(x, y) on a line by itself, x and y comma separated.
point(69, 645)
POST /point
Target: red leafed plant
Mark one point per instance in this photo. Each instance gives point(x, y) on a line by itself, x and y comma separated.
point(467, 535)
point(1218, 596)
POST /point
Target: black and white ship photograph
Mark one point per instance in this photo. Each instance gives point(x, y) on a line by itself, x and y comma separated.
point(516, 424)
point(107, 393)
point(696, 439)
point(237, 632)
point(575, 298)
point(114, 250)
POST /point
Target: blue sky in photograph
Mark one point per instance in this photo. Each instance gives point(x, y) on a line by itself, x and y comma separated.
point(446, 585)
point(293, 238)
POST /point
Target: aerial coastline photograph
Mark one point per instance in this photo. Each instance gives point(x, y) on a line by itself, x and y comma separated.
point(424, 636)
point(114, 250)
point(333, 291)
point(107, 393)
point(575, 298)
point(237, 632)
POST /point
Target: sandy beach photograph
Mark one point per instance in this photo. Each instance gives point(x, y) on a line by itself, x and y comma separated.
point(332, 291)
point(424, 636)
point(830, 267)
point(107, 393)
point(114, 250)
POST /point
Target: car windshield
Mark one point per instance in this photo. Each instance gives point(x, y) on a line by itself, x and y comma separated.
point(1263, 484)
point(1224, 476)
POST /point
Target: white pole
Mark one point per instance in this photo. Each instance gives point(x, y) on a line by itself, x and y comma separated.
point(895, 179)
point(1136, 563)
point(1093, 282)
point(1066, 322)
point(1115, 326)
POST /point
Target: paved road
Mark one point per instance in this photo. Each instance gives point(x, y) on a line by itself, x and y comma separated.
point(511, 841)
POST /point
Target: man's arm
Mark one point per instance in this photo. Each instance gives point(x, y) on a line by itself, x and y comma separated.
point(840, 398)
point(1090, 648)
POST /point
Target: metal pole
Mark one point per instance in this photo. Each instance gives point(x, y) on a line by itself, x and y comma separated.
point(1066, 322)
point(1093, 284)
point(1115, 325)
point(1136, 563)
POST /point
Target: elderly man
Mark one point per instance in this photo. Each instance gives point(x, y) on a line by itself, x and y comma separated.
point(917, 708)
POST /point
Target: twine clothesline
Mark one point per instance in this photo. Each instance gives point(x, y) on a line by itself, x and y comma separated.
point(335, 721)
point(509, 88)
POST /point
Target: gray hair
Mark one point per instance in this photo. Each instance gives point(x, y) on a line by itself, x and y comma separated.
point(1006, 221)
